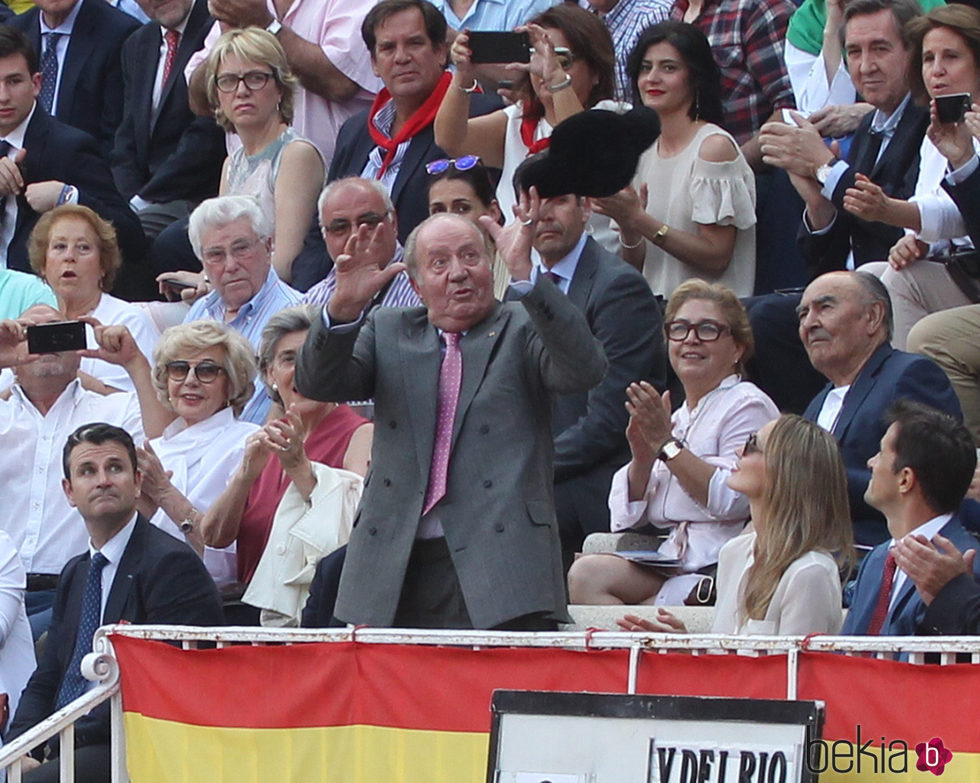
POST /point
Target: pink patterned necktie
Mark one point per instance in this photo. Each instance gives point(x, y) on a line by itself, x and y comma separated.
point(884, 597)
point(450, 379)
point(172, 38)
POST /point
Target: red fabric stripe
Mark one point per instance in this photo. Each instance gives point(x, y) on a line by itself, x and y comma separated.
point(895, 700)
point(737, 676)
point(332, 684)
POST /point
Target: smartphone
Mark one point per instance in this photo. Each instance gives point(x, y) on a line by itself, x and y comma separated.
point(951, 108)
point(494, 47)
point(178, 284)
point(56, 337)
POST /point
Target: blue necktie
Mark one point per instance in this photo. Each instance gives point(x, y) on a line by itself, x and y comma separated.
point(74, 684)
point(49, 70)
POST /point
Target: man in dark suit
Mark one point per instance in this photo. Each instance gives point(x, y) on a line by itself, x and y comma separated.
point(89, 34)
point(457, 523)
point(46, 163)
point(165, 160)
point(394, 139)
point(845, 325)
point(133, 572)
point(590, 426)
point(919, 478)
point(885, 148)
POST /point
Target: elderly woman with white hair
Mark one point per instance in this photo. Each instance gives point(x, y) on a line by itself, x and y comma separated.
point(203, 372)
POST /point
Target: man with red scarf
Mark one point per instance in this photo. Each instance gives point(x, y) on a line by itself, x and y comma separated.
point(393, 140)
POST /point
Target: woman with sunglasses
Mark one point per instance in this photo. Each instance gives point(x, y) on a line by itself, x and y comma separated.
point(462, 186)
point(676, 480)
point(691, 210)
point(783, 576)
point(203, 374)
point(251, 90)
point(572, 69)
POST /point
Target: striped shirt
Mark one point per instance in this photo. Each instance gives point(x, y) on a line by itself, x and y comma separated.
point(399, 294)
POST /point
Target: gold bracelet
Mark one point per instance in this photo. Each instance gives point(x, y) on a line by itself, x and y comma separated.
point(633, 246)
point(659, 236)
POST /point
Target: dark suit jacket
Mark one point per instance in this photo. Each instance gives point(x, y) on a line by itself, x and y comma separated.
point(498, 513)
point(169, 154)
point(887, 376)
point(408, 193)
point(590, 426)
point(908, 611)
point(90, 95)
point(967, 197)
point(956, 608)
point(56, 151)
point(896, 171)
point(160, 580)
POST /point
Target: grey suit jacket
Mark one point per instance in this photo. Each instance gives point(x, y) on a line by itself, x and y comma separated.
point(498, 513)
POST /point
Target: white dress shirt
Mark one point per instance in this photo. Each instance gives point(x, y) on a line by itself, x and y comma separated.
point(35, 513)
point(16, 645)
point(203, 458)
point(66, 28)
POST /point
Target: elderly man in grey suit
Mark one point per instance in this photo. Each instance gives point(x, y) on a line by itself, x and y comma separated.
point(457, 523)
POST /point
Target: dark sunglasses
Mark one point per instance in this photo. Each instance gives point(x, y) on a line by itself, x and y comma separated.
point(464, 163)
point(751, 445)
point(205, 372)
point(342, 226)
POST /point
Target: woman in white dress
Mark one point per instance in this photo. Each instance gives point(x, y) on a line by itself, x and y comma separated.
point(76, 253)
point(782, 577)
point(203, 371)
point(691, 209)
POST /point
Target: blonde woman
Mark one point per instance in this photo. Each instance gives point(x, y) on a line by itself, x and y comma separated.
point(783, 575)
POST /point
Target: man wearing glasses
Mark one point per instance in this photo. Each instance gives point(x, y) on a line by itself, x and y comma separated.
point(232, 237)
point(344, 206)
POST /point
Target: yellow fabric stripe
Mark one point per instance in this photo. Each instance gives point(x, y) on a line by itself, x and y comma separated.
point(160, 751)
point(963, 768)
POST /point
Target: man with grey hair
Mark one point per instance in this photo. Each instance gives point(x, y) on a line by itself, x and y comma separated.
point(457, 526)
point(233, 239)
point(345, 205)
point(845, 322)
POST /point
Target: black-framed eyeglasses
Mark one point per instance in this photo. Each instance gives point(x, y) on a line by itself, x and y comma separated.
point(706, 331)
point(751, 445)
point(205, 372)
point(254, 80)
point(464, 163)
point(342, 226)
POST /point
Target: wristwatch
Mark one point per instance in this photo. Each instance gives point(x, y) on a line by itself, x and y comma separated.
point(671, 449)
point(823, 171)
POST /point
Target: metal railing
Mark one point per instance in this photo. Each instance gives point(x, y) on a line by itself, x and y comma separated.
point(101, 666)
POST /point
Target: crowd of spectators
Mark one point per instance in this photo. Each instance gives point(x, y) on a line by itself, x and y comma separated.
point(368, 319)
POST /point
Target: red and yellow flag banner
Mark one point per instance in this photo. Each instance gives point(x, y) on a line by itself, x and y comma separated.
point(366, 713)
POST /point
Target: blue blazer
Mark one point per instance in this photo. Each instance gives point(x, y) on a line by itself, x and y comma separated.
point(908, 611)
point(90, 94)
point(887, 376)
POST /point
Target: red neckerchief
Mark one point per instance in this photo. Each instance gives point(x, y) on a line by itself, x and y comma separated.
point(420, 119)
point(528, 126)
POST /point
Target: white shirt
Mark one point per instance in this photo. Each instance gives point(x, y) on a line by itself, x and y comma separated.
point(940, 217)
point(203, 458)
point(927, 530)
point(16, 140)
point(16, 645)
point(35, 512)
point(720, 423)
point(111, 310)
point(112, 550)
point(808, 75)
point(830, 410)
point(65, 28)
point(162, 59)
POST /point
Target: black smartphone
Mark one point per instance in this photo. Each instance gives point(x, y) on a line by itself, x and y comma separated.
point(56, 337)
point(494, 47)
point(951, 108)
point(178, 284)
